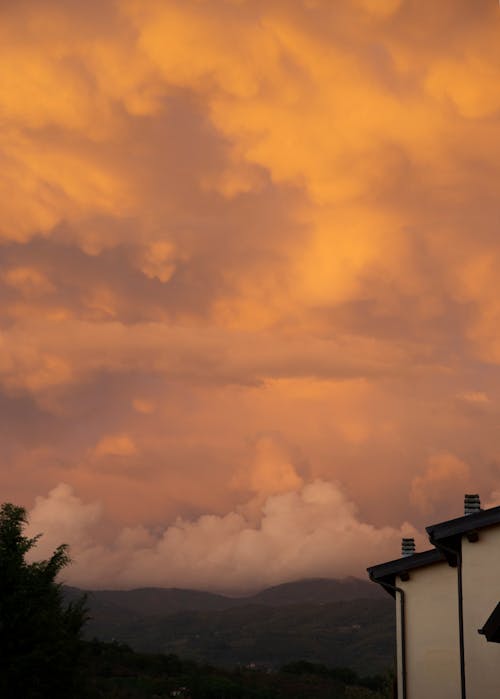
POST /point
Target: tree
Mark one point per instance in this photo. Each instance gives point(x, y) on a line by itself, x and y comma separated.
point(39, 634)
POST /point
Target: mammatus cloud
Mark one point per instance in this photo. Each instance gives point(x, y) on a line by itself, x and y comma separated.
point(248, 250)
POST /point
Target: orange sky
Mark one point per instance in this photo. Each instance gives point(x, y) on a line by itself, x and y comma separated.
point(249, 289)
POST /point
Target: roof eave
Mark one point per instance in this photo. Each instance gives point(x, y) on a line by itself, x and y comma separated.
point(462, 525)
point(385, 573)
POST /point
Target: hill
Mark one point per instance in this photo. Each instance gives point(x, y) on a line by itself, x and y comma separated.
point(340, 623)
point(154, 601)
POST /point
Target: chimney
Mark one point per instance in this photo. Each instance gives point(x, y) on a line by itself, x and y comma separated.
point(407, 547)
point(472, 504)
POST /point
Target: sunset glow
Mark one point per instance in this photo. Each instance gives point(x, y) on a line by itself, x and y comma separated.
point(249, 287)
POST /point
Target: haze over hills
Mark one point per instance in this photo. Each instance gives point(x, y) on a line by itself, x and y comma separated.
point(163, 601)
point(337, 622)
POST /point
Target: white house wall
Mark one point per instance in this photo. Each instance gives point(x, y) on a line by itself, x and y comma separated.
point(481, 593)
point(432, 647)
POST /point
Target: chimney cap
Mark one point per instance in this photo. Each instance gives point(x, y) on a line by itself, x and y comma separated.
point(472, 503)
point(407, 546)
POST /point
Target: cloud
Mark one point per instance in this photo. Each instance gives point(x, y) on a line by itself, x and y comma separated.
point(143, 406)
point(445, 478)
point(61, 517)
point(474, 397)
point(29, 281)
point(246, 247)
point(115, 445)
point(312, 531)
point(493, 500)
point(272, 470)
point(35, 358)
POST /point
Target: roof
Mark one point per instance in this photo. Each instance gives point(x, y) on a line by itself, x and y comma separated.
point(448, 535)
point(464, 524)
point(386, 572)
point(491, 628)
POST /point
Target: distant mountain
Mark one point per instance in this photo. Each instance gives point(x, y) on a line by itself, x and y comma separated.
point(155, 601)
point(317, 591)
point(348, 622)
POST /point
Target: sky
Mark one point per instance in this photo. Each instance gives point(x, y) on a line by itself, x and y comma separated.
point(249, 290)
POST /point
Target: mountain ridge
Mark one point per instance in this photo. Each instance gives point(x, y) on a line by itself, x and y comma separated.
point(338, 623)
point(168, 600)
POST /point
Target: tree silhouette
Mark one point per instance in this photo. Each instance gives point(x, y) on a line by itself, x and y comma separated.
point(39, 634)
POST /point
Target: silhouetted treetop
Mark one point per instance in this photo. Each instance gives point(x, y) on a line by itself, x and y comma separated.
point(39, 634)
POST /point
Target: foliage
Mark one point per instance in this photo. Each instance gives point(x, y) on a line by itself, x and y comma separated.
point(356, 633)
point(39, 634)
point(116, 671)
point(381, 684)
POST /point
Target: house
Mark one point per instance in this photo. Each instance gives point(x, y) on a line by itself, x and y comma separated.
point(448, 608)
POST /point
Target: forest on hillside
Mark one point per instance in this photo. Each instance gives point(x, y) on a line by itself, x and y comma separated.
point(114, 671)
